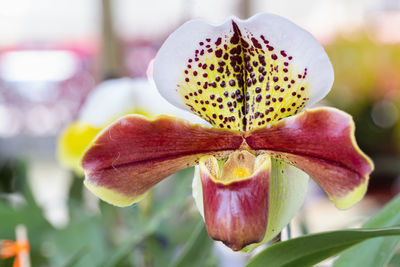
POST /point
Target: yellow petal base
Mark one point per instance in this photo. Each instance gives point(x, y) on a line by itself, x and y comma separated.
point(72, 142)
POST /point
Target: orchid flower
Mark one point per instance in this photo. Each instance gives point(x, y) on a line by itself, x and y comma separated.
point(253, 81)
point(106, 103)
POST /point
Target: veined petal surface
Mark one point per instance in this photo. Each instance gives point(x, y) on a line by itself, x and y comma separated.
point(287, 191)
point(243, 74)
point(236, 206)
point(320, 142)
point(135, 153)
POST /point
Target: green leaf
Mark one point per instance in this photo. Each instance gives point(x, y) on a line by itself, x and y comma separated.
point(81, 243)
point(395, 261)
point(311, 249)
point(123, 250)
point(375, 252)
point(196, 250)
point(141, 228)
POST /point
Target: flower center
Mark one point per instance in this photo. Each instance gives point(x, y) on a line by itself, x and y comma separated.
point(241, 172)
point(239, 166)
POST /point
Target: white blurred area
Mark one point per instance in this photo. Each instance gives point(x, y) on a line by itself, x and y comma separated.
point(50, 52)
point(74, 20)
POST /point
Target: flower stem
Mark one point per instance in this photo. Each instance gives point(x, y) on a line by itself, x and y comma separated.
point(289, 231)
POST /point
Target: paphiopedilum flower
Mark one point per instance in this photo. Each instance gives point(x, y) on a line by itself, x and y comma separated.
point(252, 81)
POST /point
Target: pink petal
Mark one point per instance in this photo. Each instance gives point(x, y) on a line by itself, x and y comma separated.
point(236, 209)
point(135, 153)
point(320, 142)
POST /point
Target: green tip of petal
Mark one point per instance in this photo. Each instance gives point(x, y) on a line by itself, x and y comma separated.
point(72, 142)
point(351, 198)
point(111, 196)
point(288, 189)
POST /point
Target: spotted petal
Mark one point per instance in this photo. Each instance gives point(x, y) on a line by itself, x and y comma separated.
point(129, 157)
point(242, 74)
point(320, 142)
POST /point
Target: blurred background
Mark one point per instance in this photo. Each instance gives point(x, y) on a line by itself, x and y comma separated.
point(53, 53)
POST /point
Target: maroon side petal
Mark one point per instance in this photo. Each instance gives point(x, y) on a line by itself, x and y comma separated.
point(135, 153)
point(321, 142)
point(236, 212)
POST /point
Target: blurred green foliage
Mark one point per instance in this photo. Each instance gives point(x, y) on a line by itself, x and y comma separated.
point(154, 234)
point(379, 251)
point(366, 71)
